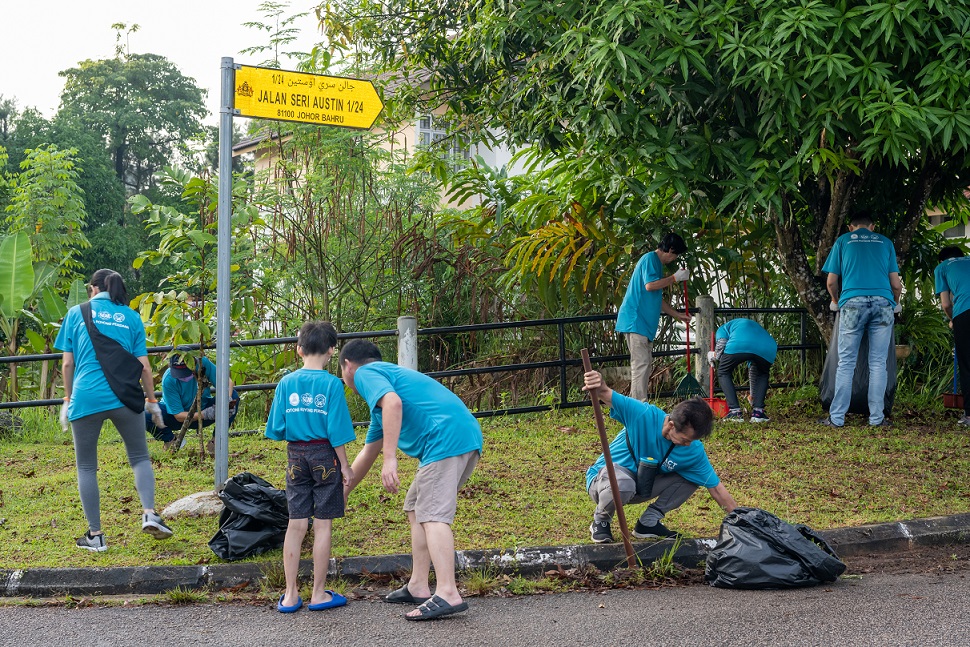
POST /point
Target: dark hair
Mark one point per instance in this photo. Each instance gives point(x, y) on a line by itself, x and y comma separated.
point(360, 352)
point(316, 337)
point(950, 251)
point(111, 282)
point(862, 219)
point(672, 243)
point(694, 413)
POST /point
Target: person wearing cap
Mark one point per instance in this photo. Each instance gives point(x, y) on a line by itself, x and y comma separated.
point(639, 314)
point(180, 385)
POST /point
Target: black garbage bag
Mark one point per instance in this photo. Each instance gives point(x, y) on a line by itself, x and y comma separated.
point(757, 550)
point(859, 400)
point(254, 519)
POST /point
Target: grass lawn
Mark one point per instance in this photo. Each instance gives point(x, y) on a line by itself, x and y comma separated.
point(528, 489)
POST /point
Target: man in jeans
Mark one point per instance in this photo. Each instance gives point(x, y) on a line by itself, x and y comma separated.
point(639, 314)
point(864, 284)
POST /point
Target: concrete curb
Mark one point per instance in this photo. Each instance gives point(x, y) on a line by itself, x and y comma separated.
point(151, 580)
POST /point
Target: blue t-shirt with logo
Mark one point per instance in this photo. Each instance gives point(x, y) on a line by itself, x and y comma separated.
point(310, 404)
point(90, 393)
point(953, 276)
point(435, 423)
point(864, 260)
point(644, 423)
point(747, 336)
point(178, 395)
point(640, 311)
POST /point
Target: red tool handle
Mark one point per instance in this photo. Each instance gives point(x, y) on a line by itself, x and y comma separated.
point(710, 392)
point(687, 326)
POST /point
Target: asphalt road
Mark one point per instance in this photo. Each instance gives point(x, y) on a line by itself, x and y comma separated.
point(878, 609)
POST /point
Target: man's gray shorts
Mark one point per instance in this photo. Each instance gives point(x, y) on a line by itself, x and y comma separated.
point(433, 495)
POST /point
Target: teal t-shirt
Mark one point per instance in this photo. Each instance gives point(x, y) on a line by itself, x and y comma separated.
point(435, 423)
point(864, 260)
point(310, 405)
point(90, 393)
point(644, 423)
point(178, 396)
point(640, 310)
point(747, 336)
point(953, 276)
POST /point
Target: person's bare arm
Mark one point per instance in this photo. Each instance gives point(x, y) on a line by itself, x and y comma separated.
point(833, 283)
point(724, 499)
point(147, 379)
point(896, 285)
point(946, 302)
point(67, 370)
point(660, 284)
point(362, 464)
point(393, 411)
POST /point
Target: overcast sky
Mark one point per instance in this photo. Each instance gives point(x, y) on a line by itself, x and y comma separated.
point(41, 39)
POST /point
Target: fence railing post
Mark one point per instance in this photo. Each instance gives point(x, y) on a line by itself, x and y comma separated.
point(563, 389)
point(407, 342)
point(703, 327)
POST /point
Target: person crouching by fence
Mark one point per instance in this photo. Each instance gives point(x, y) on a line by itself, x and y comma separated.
point(739, 341)
point(107, 377)
point(310, 413)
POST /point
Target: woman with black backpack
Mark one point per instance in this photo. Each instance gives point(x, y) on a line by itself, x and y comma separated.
point(105, 368)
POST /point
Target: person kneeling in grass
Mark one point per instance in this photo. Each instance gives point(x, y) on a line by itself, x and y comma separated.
point(310, 413)
point(649, 434)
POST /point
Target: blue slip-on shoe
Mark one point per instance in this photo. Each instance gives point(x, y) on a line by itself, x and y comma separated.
point(285, 609)
point(336, 600)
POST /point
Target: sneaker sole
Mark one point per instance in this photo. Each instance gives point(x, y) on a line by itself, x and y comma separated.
point(93, 549)
point(639, 536)
point(761, 420)
point(157, 532)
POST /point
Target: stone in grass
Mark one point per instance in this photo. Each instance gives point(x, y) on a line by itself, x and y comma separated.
point(200, 504)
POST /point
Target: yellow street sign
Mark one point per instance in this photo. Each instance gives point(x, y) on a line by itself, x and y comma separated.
point(266, 93)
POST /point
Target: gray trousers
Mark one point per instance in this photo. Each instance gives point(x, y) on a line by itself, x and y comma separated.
point(131, 427)
point(670, 490)
point(641, 365)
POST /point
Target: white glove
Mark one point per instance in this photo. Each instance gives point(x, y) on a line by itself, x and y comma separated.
point(64, 422)
point(898, 308)
point(209, 413)
point(681, 275)
point(833, 306)
point(710, 357)
point(156, 413)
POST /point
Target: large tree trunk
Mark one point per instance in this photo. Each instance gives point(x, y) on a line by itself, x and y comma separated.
point(808, 283)
point(915, 209)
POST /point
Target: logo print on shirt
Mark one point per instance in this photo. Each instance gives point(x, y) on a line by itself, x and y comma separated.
point(854, 236)
point(104, 315)
point(119, 317)
point(294, 399)
point(320, 401)
point(306, 399)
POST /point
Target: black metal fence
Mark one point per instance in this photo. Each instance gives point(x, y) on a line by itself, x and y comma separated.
point(567, 337)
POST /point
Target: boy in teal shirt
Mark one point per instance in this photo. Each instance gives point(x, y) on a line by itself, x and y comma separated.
point(310, 412)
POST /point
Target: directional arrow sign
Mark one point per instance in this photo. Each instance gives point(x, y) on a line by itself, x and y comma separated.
point(267, 93)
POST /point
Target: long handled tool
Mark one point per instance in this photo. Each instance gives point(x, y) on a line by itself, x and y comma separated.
point(631, 559)
point(718, 405)
point(689, 386)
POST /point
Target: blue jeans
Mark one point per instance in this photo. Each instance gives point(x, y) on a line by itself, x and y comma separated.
point(872, 316)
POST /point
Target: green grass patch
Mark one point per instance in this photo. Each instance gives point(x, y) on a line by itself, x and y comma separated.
point(528, 489)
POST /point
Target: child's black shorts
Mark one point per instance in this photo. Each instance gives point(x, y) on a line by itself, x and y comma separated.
point(314, 485)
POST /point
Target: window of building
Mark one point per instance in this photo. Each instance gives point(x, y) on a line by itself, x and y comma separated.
point(432, 129)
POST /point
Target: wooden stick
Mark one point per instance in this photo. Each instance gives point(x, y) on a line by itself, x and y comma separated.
point(631, 559)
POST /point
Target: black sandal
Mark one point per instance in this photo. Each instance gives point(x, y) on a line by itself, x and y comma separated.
point(403, 596)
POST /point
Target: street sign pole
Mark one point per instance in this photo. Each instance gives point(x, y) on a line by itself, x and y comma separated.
point(223, 334)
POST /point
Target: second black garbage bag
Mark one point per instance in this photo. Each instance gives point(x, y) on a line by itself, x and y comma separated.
point(757, 550)
point(254, 519)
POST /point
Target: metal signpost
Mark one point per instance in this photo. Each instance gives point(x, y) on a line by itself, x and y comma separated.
point(282, 95)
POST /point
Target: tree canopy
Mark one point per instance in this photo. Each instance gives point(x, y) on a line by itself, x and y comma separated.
point(794, 111)
point(143, 107)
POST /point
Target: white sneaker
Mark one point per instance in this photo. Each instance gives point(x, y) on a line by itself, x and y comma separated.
point(154, 526)
point(94, 543)
point(965, 421)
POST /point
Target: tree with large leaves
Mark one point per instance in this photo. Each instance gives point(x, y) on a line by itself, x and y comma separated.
point(793, 111)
